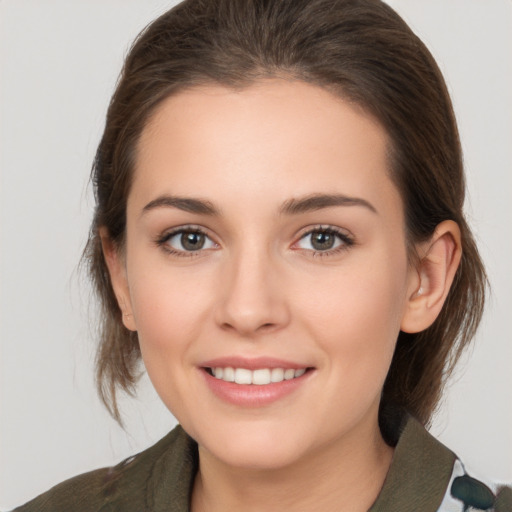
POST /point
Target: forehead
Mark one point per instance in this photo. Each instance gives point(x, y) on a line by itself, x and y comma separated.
point(277, 139)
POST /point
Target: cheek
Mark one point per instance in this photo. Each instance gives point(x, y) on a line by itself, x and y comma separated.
point(168, 321)
point(168, 308)
point(354, 327)
point(355, 318)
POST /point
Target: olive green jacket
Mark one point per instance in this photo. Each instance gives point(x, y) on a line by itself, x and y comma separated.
point(160, 479)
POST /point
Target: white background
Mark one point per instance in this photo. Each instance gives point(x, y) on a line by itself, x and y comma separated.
point(59, 63)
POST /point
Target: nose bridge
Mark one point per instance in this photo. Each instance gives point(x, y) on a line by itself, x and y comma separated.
point(252, 299)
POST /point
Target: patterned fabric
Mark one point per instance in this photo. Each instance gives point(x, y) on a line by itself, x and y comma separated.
point(467, 494)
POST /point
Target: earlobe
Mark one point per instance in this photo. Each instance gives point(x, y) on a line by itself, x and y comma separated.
point(117, 272)
point(439, 260)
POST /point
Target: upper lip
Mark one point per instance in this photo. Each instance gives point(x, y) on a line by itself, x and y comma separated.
point(251, 363)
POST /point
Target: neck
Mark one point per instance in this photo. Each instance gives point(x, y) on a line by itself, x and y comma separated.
point(346, 475)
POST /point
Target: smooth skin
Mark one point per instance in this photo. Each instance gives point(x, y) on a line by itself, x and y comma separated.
point(258, 283)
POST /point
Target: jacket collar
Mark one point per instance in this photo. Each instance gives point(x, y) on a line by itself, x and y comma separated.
point(419, 473)
point(417, 478)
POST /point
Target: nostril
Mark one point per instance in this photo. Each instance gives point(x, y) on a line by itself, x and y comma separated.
point(269, 326)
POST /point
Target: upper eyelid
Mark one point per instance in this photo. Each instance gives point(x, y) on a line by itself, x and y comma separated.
point(346, 237)
point(187, 227)
point(162, 241)
point(169, 233)
point(334, 229)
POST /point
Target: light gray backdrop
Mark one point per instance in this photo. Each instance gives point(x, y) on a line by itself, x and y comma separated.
point(59, 62)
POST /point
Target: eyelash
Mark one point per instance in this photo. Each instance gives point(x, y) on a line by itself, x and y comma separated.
point(347, 241)
point(162, 240)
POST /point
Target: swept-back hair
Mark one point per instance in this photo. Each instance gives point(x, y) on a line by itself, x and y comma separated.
point(360, 50)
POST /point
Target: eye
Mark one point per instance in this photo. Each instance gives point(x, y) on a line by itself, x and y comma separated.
point(324, 240)
point(186, 241)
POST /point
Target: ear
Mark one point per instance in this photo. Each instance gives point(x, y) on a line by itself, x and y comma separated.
point(117, 270)
point(439, 260)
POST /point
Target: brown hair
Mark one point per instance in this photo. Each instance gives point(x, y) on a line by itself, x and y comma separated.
point(359, 49)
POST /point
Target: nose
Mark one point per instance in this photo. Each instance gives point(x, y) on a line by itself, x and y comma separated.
point(253, 296)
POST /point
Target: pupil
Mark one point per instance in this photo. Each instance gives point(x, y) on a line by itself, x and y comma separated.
point(322, 240)
point(192, 241)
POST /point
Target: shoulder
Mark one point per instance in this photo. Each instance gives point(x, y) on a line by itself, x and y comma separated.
point(84, 492)
point(132, 485)
point(427, 476)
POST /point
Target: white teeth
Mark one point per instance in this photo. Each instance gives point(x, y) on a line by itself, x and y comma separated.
point(258, 377)
point(277, 375)
point(289, 374)
point(228, 375)
point(243, 376)
point(261, 377)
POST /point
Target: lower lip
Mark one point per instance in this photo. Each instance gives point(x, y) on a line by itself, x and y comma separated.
point(253, 395)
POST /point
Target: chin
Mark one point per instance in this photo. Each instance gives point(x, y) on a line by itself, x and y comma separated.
point(258, 456)
point(254, 445)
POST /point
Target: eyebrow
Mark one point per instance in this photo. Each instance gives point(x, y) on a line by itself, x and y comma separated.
point(187, 204)
point(319, 201)
point(293, 206)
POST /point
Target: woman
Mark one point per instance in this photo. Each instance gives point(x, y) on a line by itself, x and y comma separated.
point(279, 233)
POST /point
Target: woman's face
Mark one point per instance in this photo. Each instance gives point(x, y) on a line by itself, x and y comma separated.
point(265, 240)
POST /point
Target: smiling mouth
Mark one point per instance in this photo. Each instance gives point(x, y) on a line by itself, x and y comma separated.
point(258, 377)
